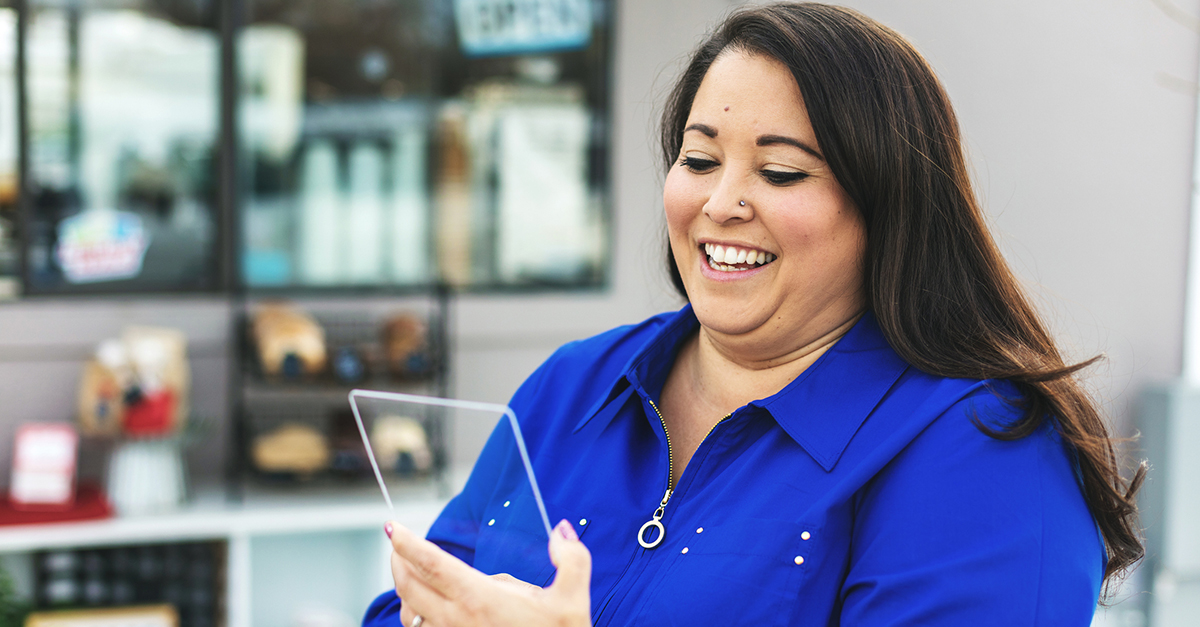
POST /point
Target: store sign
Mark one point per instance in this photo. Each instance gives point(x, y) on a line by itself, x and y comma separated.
point(101, 245)
point(496, 27)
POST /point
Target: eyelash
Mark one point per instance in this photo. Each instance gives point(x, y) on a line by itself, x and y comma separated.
point(697, 165)
point(774, 177)
point(783, 178)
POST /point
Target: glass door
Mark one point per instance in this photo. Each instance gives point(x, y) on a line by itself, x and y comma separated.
point(402, 143)
point(122, 100)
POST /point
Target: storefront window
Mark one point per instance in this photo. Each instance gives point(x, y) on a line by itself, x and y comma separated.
point(407, 142)
point(122, 101)
point(390, 143)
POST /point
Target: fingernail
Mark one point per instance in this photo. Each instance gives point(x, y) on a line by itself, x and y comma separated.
point(565, 530)
point(387, 528)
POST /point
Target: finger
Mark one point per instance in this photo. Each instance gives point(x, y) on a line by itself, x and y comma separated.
point(416, 597)
point(439, 570)
point(573, 560)
point(406, 615)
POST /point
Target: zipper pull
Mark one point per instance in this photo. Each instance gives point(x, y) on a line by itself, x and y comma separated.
point(655, 523)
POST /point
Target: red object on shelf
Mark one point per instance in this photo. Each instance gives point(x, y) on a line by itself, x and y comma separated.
point(90, 504)
point(151, 415)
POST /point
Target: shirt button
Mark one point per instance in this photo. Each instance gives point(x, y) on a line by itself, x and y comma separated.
point(799, 560)
point(700, 530)
point(582, 522)
point(507, 503)
point(806, 535)
point(684, 551)
point(491, 522)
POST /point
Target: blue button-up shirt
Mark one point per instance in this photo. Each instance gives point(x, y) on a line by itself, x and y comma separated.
point(863, 493)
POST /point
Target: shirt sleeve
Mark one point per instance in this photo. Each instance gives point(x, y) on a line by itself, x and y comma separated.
point(965, 529)
point(455, 530)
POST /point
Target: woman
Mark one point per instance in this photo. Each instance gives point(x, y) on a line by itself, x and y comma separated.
point(858, 419)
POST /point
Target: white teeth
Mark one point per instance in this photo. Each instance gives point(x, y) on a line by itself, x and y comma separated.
point(726, 258)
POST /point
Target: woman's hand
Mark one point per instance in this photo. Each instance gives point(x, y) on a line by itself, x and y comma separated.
point(445, 592)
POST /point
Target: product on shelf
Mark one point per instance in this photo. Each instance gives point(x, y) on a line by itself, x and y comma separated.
point(43, 469)
point(146, 476)
point(405, 343)
point(136, 385)
point(349, 365)
point(400, 445)
point(290, 342)
point(292, 448)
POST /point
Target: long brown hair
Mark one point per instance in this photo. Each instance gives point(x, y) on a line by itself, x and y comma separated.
point(935, 280)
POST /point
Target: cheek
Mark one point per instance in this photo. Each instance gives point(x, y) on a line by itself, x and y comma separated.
point(681, 200)
point(823, 228)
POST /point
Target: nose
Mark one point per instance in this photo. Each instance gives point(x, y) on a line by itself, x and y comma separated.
point(729, 202)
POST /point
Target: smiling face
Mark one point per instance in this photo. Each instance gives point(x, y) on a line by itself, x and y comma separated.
point(767, 243)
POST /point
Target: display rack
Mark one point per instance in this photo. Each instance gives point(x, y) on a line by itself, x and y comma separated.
point(262, 403)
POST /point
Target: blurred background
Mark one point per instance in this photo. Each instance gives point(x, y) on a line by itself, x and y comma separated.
point(218, 216)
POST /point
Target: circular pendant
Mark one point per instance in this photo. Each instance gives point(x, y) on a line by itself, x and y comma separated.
point(651, 524)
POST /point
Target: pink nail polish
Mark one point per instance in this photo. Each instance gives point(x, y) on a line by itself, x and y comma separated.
point(565, 530)
point(387, 528)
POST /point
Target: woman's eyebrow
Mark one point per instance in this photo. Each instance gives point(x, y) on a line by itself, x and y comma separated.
point(703, 128)
point(767, 140)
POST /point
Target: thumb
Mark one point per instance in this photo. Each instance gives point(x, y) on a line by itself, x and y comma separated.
point(573, 561)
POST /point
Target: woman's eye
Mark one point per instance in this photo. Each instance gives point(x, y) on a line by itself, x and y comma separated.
point(777, 177)
point(696, 164)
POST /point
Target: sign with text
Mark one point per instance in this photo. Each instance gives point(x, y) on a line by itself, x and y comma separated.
point(101, 245)
point(43, 472)
point(499, 27)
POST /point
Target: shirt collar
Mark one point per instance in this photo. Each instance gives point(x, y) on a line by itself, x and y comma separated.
point(638, 372)
point(827, 404)
point(821, 410)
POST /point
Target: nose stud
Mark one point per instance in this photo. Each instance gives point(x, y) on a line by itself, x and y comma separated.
point(742, 203)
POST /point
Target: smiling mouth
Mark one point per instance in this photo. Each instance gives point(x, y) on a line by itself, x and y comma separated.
point(734, 259)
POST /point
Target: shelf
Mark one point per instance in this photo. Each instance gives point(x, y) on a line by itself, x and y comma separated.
point(212, 518)
point(326, 390)
point(277, 545)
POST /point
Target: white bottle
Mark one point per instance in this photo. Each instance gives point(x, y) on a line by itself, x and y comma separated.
point(409, 251)
point(320, 227)
point(363, 245)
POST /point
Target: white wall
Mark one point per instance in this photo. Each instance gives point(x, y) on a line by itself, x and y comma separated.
point(1079, 120)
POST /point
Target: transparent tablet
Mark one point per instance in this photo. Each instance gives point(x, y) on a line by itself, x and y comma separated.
point(510, 513)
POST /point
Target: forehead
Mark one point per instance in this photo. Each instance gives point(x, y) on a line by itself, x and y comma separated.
point(750, 89)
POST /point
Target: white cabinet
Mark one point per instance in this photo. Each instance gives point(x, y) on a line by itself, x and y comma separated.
point(288, 564)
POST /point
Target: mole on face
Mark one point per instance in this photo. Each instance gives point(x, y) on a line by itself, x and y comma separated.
point(727, 107)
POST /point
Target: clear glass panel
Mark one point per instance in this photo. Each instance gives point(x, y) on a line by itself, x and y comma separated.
point(9, 237)
point(519, 528)
point(403, 142)
point(123, 102)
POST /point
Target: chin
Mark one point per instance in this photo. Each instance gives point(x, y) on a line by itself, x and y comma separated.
point(727, 318)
